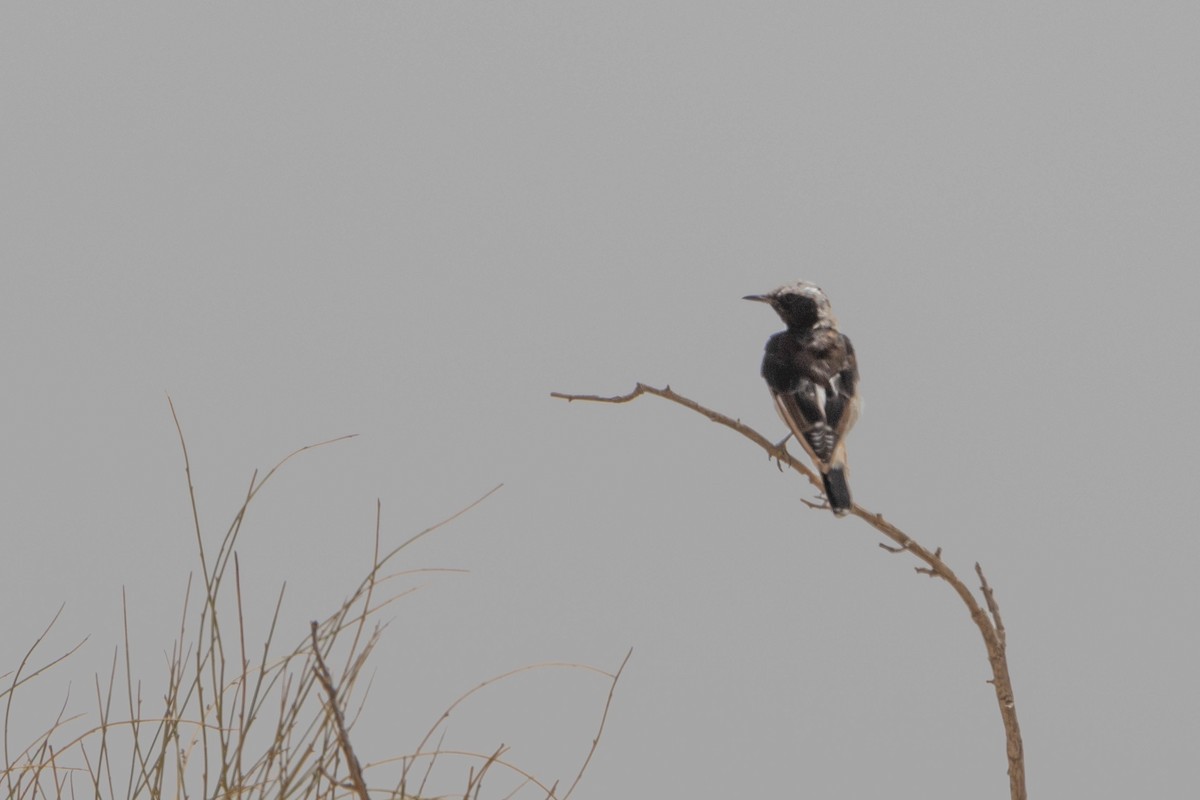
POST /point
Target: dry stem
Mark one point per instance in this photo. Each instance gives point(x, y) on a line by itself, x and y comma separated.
point(335, 712)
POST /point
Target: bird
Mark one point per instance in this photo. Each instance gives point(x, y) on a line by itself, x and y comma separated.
point(812, 373)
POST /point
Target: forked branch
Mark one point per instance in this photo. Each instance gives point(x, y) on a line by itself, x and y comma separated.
point(335, 712)
point(988, 621)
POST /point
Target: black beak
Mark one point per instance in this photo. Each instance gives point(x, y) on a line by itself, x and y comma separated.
point(758, 298)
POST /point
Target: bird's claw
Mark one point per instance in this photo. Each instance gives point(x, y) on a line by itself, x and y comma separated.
point(780, 452)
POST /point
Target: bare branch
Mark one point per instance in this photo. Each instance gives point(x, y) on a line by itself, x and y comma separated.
point(775, 451)
point(990, 628)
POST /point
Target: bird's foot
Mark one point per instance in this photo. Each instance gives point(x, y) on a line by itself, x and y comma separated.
point(780, 452)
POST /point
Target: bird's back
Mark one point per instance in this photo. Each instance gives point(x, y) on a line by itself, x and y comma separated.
point(824, 357)
point(814, 379)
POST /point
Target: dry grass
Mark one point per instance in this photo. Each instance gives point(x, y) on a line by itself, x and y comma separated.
point(246, 720)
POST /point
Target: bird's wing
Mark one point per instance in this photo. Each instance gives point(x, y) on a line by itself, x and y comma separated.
point(803, 410)
point(842, 407)
point(821, 412)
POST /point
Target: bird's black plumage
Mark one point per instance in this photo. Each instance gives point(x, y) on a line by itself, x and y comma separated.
point(812, 373)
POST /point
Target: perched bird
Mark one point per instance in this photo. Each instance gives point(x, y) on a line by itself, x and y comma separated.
point(812, 374)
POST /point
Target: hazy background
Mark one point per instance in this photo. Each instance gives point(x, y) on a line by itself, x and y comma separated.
point(412, 221)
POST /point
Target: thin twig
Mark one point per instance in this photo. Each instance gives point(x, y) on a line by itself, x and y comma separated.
point(504, 676)
point(612, 688)
point(991, 604)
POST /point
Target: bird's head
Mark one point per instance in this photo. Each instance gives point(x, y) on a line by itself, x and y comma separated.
point(801, 305)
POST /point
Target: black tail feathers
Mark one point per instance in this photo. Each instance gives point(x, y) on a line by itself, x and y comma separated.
point(837, 490)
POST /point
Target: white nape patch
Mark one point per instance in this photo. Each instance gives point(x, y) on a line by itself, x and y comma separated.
point(801, 287)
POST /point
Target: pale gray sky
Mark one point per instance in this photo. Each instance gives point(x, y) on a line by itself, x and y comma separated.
point(412, 221)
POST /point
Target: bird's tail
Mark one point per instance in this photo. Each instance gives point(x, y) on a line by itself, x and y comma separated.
point(837, 490)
